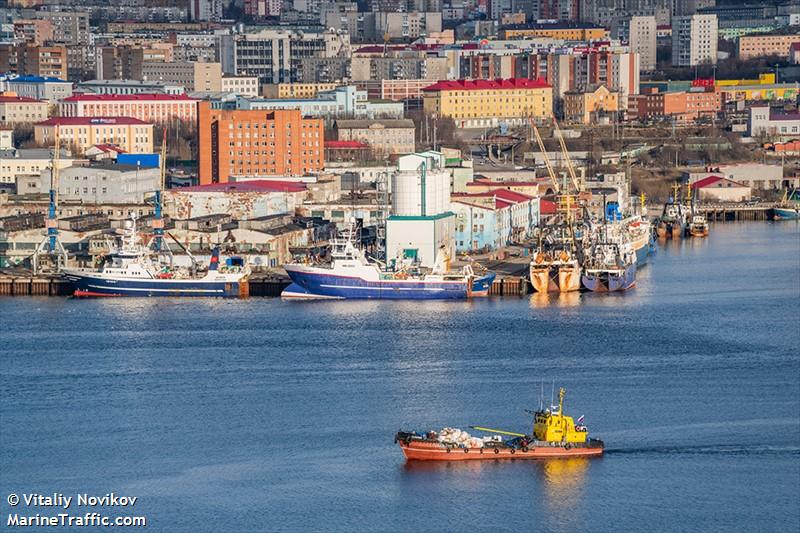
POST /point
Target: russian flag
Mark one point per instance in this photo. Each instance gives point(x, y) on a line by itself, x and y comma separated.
point(580, 419)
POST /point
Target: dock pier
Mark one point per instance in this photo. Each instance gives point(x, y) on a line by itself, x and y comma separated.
point(736, 212)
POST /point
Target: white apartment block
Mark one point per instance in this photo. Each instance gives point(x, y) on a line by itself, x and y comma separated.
point(694, 40)
point(640, 34)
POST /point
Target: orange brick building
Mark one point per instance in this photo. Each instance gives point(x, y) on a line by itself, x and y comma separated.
point(682, 106)
point(257, 143)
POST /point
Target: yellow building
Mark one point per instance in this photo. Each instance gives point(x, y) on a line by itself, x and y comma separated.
point(559, 30)
point(487, 103)
point(763, 79)
point(129, 134)
point(764, 88)
point(751, 46)
point(581, 107)
point(296, 90)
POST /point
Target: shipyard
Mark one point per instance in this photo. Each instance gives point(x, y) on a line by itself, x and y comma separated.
point(392, 265)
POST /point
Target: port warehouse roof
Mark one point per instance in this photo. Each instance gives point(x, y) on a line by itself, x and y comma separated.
point(91, 121)
point(488, 85)
point(502, 198)
point(92, 97)
point(719, 181)
point(31, 79)
point(246, 186)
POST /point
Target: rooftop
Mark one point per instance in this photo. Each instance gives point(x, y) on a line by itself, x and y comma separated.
point(484, 85)
point(11, 98)
point(91, 97)
point(711, 180)
point(32, 79)
point(248, 186)
point(389, 123)
point(554, 26)
point(91, 121)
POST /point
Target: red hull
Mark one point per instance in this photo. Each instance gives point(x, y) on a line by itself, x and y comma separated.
point(89, 294)
point(432, 451)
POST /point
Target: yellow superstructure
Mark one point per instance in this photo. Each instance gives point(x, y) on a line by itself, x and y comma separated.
point(465, 101)
point(556, 427)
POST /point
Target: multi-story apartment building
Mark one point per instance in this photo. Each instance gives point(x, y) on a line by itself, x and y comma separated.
point(130, 134)
point(277, 55)
point(407, 25)
point(45, 61)
point(766, 45)
point(120, 62)
point(194, 76)
point(482, 103)
point(145, 107)
point(257, 143)
point(694, 40)
point(242, 85)
point(33, 31)
point(640, 34)
point(15, 109)
point(70, 27)
point(201, 10)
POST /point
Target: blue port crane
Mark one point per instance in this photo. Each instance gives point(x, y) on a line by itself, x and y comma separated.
point(51, 245)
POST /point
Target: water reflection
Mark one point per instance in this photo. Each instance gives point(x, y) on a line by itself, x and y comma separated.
point(557, 299)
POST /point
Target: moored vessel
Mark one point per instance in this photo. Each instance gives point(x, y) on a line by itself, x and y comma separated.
point(351, 275)
point(789, 206)
point(131, 269)
point(554, 435)
point(698, 227)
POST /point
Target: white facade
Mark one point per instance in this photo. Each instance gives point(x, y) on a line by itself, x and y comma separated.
point(28, 162)
point(420, 237)
point(421, 186)
point(694, 40)
point(205, 9)
point(764, 122)
point(640, 34)
point(105, 184)
point(242, 85)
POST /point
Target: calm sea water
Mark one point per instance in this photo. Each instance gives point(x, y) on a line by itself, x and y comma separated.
point(263, 415)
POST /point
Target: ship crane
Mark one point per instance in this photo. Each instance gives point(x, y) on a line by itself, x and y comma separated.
point(51, 244)
point(567, 158)
point(547, 164)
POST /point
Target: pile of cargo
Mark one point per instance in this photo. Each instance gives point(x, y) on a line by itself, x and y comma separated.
point(462, 439)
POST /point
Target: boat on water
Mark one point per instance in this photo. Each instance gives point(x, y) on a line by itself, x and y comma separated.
point(351, 275)
point(132, 269)
point(789, 207)
point(610, 267)
point(673, 220)
point(556, 263)
point(554, 435)
point(698, 227)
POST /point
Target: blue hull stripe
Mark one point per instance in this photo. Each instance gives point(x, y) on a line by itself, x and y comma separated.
point(154, 287)
point(332, 286)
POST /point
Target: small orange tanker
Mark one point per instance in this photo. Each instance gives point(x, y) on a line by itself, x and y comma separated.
point(554, 435)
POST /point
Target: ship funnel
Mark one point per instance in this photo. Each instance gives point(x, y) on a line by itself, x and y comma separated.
point(214, 264)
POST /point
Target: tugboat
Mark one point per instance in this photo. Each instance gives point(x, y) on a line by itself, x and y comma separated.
point(698, 227)
point(131, 270)
point(351, 275)
point(672, 222)
point(554, 435)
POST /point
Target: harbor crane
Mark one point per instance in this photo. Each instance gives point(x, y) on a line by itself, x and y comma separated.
point(51, 246)
point(567, 158)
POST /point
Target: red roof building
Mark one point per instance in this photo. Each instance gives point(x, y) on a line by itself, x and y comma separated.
point(146, 107)
point(488, 103)
point(130, 134)
point(15, 109)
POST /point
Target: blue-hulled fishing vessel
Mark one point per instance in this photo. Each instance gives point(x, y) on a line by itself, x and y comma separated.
point(351, 275)
point(131, 269)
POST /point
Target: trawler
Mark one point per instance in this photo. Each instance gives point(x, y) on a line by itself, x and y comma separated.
point(131, 269)
point(351, 275)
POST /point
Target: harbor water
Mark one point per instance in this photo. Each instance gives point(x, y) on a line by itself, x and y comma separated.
point(265, 415)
